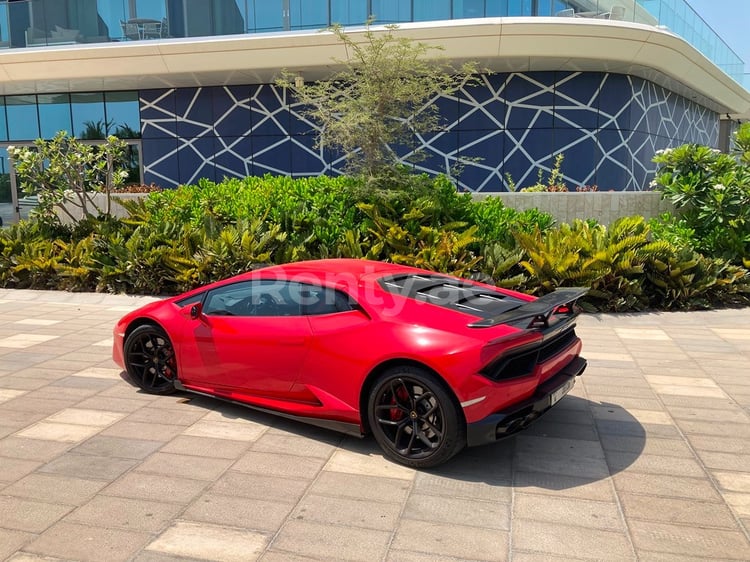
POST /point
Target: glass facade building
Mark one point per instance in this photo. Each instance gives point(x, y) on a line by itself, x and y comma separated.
point(514, 122)
point(33, 23)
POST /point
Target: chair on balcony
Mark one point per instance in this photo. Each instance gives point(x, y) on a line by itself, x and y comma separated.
point(617, 13)
point(130, 31)
point(152, 30)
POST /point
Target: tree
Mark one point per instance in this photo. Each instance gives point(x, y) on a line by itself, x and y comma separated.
point(381, 97)
point(65, 173)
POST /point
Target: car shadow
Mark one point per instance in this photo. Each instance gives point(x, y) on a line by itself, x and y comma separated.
point(579, 442)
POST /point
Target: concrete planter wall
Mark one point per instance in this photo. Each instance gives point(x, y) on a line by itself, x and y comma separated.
point(604, 206)
point(100, 201)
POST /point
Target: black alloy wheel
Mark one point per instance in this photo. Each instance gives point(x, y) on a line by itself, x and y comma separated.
point(150, 359)
point(414, 419)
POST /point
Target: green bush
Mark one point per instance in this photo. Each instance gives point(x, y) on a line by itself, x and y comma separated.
point(179, 239)
point(712, 192)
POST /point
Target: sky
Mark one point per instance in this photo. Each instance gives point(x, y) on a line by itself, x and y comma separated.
point(731, 20)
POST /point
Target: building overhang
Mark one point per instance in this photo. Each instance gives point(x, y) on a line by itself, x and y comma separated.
point(499, 44)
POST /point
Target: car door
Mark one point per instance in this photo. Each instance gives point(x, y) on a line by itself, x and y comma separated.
point(249, 339)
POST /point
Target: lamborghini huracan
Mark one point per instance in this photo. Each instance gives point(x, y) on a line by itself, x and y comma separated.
point(425, 362)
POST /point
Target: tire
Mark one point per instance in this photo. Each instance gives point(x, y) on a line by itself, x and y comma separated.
point(414, 418)
point(150, 360)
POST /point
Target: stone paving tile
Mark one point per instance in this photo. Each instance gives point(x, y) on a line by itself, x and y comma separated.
point(256, 486)
point(56, 489)
point(563, 486)
point(138, 430)
point(15, 469)
point(11, 541)
point(184, 466)
point(435, 484)
point(31, 449)
point(156, 487)
point(71, 541)
point(725, 461)
point(205, 447)
point(649, 446)
point(233, 511)
point(153, 415)
point(689, 541)
point(559, 539)
point(88, 466)
point(667, 486)
point(119, 447)
point(295, 445)
point(125, 513)
point(458, 511)
point(331, 542)
point(20, 514)
point(226, 430)
point(433, 539)
point(65, 432)
point(720, 429)
point(357, 486)
point(273, 464)
point(654, 464)
point(348, 512)
point(579, 512)
point(209, 542)
point(677, 511)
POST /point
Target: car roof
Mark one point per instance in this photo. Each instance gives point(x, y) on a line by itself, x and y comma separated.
point(343, 266)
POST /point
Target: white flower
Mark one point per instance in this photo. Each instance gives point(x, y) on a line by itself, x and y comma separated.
point(720, 187)
point(653, 183)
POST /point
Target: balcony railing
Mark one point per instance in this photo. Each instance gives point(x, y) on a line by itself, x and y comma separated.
point(35, 23)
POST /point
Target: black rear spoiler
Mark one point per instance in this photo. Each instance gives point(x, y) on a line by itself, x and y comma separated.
point(538, 311)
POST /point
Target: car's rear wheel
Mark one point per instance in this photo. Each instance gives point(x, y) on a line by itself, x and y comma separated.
point(150, 359)
point(414, 419)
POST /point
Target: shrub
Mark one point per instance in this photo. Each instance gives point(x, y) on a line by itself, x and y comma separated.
point(712, 192)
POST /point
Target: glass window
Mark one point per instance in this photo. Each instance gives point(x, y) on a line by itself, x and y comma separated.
point(348, 12)
point(111, 13)
point(4, 31)
point(309, 14)
point(149, 9)
point(391, 11)
point(426, 10)
point(23, 121)
point(5, 194)
point(89, 121)
point(3, 122)
point(54, 114)
point(123, 117)
point(468, 9)
point(519, 8)
point(269, 15)
point(255, 298)
point(496, 8)
point(275, 298)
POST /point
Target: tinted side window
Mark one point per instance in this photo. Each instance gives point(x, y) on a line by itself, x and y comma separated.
point(254, 298)
point(321, 300)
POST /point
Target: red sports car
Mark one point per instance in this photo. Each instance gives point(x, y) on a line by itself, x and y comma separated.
point(426, 362)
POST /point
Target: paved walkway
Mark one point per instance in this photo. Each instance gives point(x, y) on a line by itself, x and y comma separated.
point(648, 459)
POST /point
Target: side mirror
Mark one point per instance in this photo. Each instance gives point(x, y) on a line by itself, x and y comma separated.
point(196, 311)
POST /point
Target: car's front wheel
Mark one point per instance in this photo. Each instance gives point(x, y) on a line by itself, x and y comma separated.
point(150, 359)
point(414, 419)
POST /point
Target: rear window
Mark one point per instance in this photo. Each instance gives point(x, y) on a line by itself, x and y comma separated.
point(451, 293)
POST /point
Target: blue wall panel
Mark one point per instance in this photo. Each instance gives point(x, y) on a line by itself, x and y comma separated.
point(608, 126)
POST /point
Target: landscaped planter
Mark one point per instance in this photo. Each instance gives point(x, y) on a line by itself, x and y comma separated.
point(604, 206)
point(100, 201)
